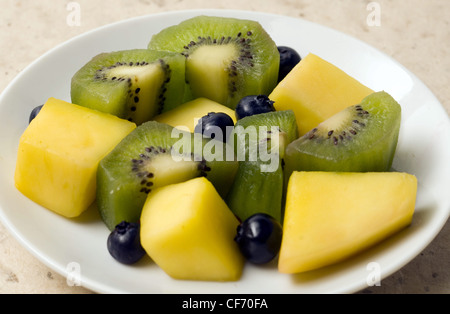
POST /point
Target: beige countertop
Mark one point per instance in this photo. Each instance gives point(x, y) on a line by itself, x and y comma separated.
point(416, 33)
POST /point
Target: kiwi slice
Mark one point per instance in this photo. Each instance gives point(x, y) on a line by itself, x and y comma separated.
point(226, 58)
point(151, 156)
point(361, 138)
point(260, 141)
point(131, 84)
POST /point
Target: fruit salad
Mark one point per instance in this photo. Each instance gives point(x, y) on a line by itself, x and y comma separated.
point(215, 148)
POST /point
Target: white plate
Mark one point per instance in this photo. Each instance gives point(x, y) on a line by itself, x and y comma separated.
point(64, 245)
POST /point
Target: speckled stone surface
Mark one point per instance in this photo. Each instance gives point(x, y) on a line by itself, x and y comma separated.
point(416, 33)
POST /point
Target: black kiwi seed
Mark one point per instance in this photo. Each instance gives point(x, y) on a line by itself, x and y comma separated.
point(312, 133)
point(203, 168)
point(161, 97)
point(138, 166)
point(245, 58)
point(348, 132)
point(335, 140)
point(102, 75)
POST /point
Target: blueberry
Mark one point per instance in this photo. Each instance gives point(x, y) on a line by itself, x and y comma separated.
point(217, 125)
point(259, 238)
point(254, 104)
point(288, 60)
point(124, 243)
point(34, 113)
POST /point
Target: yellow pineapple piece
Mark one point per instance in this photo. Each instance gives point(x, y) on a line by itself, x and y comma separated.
point(188, 114)
point(188, 230)
point(59, 153)
point(316, 90)
point(331, 216)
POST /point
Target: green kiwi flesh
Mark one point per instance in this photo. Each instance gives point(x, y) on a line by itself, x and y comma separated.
point(361, 138)
point(226, 58)
point(255, 191)
point(131, 84)
point(259, 183)
point(151, 156)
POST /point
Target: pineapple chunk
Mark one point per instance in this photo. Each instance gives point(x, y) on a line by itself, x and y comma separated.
point(59, 153)
point(188, 230)
point(316, 90)
point(331, 216)
point(188, 114)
